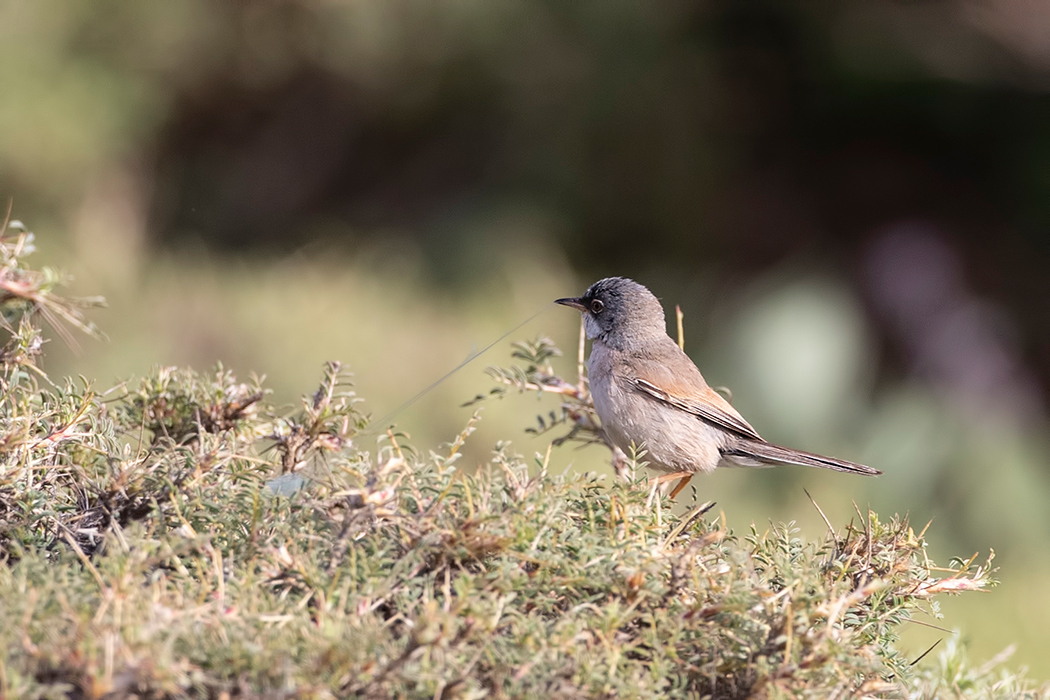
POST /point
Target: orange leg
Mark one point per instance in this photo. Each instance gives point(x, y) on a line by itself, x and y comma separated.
point(680, 485)
point(684, 476)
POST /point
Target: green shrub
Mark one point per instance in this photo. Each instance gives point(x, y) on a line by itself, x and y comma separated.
point(186, 537)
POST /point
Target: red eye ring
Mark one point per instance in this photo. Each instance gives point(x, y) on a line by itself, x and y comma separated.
point(597, 306)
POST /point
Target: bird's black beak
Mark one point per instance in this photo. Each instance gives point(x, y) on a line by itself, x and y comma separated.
point(574, 302)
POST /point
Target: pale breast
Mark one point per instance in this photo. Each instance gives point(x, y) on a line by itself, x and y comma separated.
point(673, 440)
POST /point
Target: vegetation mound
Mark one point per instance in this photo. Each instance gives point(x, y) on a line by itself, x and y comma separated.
point(184, 536)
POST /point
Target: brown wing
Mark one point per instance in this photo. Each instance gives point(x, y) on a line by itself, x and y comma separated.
point(706, 404)
point(684, 389)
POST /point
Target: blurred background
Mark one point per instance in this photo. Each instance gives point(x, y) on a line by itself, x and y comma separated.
point(850, 201)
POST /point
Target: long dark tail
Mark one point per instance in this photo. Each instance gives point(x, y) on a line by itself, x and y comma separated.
point(768, 453)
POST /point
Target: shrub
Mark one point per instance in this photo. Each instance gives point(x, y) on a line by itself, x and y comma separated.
point(186, 537)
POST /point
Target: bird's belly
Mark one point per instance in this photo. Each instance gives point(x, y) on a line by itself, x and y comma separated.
point(672, 439)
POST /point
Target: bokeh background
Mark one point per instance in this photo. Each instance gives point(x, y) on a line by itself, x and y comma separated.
point(849, 200)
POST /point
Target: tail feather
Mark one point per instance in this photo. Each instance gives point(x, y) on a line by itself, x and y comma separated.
point(767, 452)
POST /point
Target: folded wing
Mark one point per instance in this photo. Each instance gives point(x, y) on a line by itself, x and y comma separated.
point(745, 444)
point(707, 409)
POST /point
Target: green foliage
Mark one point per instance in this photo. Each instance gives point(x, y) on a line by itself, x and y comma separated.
point(25, 292)
point(151, 549)
point(575, 411)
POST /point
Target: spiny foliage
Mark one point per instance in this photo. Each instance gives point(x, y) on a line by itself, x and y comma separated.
point(186, 537)
point(391, 576)
point(26, 292)
point(575, 410)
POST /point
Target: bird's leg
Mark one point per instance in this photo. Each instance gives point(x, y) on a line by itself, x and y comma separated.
point(684, 476)
point(681, 485)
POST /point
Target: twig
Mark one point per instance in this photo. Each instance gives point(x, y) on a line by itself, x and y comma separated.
point(681, 327)
point(827, 522)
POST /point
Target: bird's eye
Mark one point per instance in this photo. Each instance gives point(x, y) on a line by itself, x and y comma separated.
point(597, 306)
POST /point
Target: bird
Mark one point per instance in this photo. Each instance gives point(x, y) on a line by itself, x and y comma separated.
point(649, 395)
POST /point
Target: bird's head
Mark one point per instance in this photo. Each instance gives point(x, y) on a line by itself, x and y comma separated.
point(618, 311)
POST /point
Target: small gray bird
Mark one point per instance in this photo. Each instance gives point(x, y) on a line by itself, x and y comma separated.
point(649, 394)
